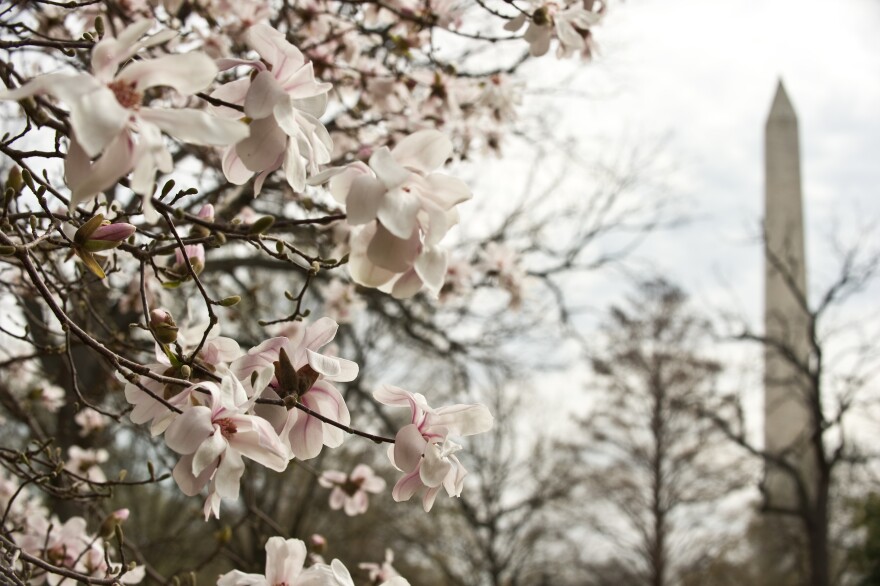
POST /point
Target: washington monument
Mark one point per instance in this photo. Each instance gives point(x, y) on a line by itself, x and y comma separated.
point(786, 349)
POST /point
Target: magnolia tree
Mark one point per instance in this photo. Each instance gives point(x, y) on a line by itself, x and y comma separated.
point(157, 155)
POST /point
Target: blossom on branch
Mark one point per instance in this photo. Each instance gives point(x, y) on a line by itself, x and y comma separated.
point(350, 490)
point(423, 450)
point(283, 102)
point(109, 121)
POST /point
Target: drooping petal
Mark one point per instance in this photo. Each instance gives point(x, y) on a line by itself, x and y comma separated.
point(234, 169)
point(208, 452)
point(86, 180)
point(423, 151)
point(431, 268)
point(259, 442)
point(363, 198)
point(265, 145)
point(227, 480)
point(407, 285)
point(434, 468)
point(363, 271)
point(306, 436)
point(406, 487)
point(190, 485)
point(392, 253)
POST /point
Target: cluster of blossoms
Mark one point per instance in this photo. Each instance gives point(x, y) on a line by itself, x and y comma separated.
point(67, 545)
point(214, 425)
point(379, 153)
point(285, 560)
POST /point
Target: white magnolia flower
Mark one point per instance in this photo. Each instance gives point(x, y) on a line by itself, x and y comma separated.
point(423, 450)
point(109, 121)
point(349, 491)
point(283, 101)
point(212, 441)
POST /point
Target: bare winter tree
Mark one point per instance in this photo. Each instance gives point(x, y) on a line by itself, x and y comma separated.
point(653, 468)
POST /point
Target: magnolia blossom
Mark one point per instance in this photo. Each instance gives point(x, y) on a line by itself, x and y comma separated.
point(106, 112)
point(570, 25)
point(403, 209)
point(381, 572)
point(212, 440)
point(90, 421)
point(303, 433)
point(423, 450)
point(350, 490)
point(48, 397)
point(86, 463)
point(283, 101)
point(70, 546)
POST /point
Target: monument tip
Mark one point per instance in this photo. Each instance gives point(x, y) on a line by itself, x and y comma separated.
point(781, 108)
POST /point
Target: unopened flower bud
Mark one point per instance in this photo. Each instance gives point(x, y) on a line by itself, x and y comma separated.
point(262, 225)
point(318, 543)
point(14, 180)
point(230, 301)
point(163, 326)
point(108, 526)
point(206, 214)
point(196, 254)
point(84, 232)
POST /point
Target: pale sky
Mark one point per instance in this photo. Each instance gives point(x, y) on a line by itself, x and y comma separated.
point(698, 77)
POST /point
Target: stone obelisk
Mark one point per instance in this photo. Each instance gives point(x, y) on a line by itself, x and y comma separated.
point(786, 414)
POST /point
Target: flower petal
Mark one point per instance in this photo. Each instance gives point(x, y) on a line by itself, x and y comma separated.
point(187, 74)
point(196, 126)
point(423, 151)
point(409, 445)
point(189, 429)
point(208, 452)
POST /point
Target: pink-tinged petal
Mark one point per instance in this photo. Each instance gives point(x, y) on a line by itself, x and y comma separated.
point(233, 92)
point(301, 84)
point(357, 504)
point(208, 452)
point(189, 429)
point(429, 498)
point(274, 48)
point(256, 439)
point(263, 175)
point(330, 478)
point(284, 560)
point(434, 468)
point(389, 171)
point(439, 221)
point(398, 210)
point(319, 334)
point(187, 74)
point(325, 365)
point(190, 485)
point(409, 445)
point(463, 420)
point(264, 147)
point(406, 487)
point(392, 253)
point(374, 484)
point(234, 169)
point(324, 398)
point(263, 95)
point(228, 477)
point(97, 118)
point(337, 498)
point(363, 199)
point(361, 471)
point(407, 285)
point(431, 268)
point(394, 396)
point(423, 151)
point(196, 126)
point(454, 482)
point(306, 437)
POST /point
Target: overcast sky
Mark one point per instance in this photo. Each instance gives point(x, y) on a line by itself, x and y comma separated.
point(698, 77)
